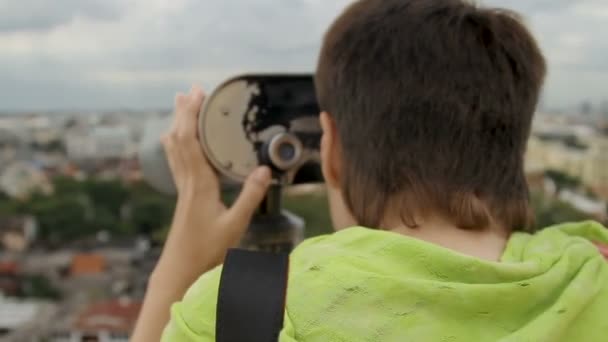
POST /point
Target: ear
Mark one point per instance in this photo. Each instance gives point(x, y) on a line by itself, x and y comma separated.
point(331, 159)
point(331, 164)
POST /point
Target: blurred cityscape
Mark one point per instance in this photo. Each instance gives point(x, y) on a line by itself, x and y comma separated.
point(80, 230)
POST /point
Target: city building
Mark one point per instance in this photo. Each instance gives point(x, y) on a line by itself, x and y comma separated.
point(579, 152)
point(152, 158)
point(10, 280)
point(40, 130)
point(596, 209)
point(99, 142)
point(111, 321)
point(14, 314)
point(26, 320)
point(595, 169)
point(20, 179)
point(535, 175)
point(17, 232)
point(10, 147)
point(87, 264)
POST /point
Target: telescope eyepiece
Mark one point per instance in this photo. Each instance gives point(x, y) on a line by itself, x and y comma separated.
point(282, 152)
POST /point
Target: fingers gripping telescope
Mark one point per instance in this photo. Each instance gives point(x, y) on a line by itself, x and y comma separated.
point(249, 121)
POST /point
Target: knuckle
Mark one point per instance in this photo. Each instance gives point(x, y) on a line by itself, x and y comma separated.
point(179, 98)
point(182, 137)
point(193, 109)
point(198, 94)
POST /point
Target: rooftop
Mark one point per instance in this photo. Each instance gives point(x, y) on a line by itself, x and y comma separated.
point(14, 314)
point(87, 264)
point(114, 316)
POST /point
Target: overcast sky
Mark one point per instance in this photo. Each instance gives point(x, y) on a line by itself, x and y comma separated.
point(104, 54)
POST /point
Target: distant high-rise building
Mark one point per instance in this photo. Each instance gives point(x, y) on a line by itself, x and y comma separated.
point(604, 109)
point(586, 108)
point(102, 142)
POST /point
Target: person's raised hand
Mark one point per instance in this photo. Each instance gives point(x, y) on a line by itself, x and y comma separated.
point(203, 227)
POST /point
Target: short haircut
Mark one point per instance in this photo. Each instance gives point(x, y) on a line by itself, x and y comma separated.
point(433, 101)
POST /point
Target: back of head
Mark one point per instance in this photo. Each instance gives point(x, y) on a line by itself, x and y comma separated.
point(433, 102)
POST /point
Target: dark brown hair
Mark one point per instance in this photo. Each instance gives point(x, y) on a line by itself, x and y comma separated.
point(433, 102)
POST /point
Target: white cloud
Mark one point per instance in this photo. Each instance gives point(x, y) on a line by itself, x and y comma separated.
point(41, 15)
point(137, 53)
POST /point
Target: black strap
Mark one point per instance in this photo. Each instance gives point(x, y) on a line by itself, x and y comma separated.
point(251, 299)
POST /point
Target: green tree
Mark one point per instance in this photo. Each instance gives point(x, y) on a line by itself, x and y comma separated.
point(8, 206)
point(56, 145)
point(37, 286)
point(67, 186)
point(60, 218)
point(149, 211)
point(103, 219)
point(107, 196)
point(549, 211)
point(161, 234)
point(562, 180)
point(150, 214)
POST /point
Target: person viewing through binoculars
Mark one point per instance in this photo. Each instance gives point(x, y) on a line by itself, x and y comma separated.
point(426, 108)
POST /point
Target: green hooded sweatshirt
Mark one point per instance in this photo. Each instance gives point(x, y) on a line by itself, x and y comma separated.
point(367, 285)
